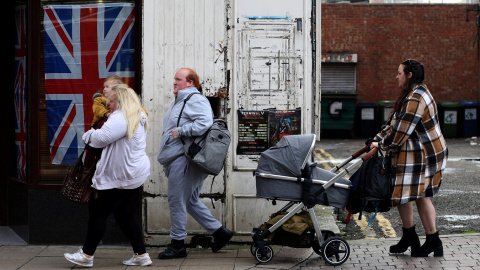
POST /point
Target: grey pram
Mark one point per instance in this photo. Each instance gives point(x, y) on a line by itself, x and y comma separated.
point(285, 173)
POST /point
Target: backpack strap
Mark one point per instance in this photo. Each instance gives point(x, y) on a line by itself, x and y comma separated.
point(349, 216)
point(183, 107)
point(376, 203)
point(364, 203)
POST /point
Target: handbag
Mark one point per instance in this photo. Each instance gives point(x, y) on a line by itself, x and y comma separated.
point(377, 177)
point(78, 181)
point(372, 187)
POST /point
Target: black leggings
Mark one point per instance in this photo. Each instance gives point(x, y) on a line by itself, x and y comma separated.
point(124, 205)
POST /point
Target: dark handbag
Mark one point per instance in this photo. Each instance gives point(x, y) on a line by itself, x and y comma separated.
point(372, 185)
point(78, 180)
point(378, 177)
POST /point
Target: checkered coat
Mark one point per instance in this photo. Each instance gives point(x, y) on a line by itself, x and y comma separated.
point(419, 151)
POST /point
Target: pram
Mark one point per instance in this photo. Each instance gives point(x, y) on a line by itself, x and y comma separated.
point(285, 173)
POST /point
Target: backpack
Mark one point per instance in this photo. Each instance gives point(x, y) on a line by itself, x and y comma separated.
point(371, 187)
point(208, 151)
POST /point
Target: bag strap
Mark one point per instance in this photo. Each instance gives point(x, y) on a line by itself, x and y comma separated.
point(183, 107)
point(376, 204)
point(181, 111)
point(89, 139)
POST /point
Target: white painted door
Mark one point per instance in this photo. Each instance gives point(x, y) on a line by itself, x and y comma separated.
point(272, 69)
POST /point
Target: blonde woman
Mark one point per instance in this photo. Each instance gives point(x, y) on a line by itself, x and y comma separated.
point(120, 174)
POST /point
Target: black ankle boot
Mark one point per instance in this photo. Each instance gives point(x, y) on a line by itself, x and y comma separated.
point(409, 239)
point(221, 238)
point(432, 244)
point(176, 249)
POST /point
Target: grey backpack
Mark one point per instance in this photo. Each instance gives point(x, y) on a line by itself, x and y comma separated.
point(208, 151)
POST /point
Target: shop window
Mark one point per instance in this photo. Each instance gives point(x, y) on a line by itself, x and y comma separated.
point(62, 115)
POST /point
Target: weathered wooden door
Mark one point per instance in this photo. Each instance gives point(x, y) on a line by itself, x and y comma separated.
point(272, 71)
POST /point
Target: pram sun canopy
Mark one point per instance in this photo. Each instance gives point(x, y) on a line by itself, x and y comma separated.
point(288, 157)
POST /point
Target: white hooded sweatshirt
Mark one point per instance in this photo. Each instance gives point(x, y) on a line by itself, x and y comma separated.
point(124, 163)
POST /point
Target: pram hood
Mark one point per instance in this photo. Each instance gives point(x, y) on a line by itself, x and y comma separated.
point(288, 157)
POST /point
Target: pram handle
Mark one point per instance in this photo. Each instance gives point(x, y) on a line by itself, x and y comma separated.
point(370, 153)
point(361, 151)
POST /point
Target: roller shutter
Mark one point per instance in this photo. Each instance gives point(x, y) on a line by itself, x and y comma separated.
point(338, 78)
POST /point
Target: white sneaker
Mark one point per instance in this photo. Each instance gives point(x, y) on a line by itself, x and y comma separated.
point(136, 260)
point(79, 258)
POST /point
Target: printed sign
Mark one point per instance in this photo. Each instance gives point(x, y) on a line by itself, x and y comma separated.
point(283, 123)
point(252, 132)
point(471, 114)
point(450, 117)
point(386, 113)
point(368, 114)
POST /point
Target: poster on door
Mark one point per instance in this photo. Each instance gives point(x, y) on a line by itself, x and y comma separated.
point(283, 123)
point(260, 130)
point(252, 132)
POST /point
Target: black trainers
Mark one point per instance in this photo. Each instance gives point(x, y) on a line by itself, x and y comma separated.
point(176, 249)
point(221, 238)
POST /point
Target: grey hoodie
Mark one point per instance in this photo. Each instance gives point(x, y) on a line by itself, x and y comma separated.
point(197, 118)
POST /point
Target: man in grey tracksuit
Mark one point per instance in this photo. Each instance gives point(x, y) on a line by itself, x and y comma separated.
point(185, 181)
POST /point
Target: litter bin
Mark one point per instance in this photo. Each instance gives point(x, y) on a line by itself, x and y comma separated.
point(469, 120)
point(367, 120)
point(338, 112)
point(386, 106)
point(449, 118)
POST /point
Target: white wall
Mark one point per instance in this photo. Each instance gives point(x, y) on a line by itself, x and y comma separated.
point(207, 36)
point(176, 34)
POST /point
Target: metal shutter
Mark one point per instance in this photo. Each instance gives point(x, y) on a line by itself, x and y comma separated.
point(338, 78)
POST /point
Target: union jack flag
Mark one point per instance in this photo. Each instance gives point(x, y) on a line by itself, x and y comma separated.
point(84, 44)
point(20, 92)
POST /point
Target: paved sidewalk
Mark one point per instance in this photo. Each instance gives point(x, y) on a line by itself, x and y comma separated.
point(460, 252)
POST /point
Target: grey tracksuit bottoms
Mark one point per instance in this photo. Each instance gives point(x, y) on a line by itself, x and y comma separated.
point(185, 182)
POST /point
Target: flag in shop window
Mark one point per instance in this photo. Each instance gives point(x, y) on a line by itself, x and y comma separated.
point(20, 92)
point(83, 44)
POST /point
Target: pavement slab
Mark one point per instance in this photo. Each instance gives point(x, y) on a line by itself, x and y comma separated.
point(460, 252)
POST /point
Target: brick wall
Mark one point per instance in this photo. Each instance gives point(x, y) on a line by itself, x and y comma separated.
point(385, 35)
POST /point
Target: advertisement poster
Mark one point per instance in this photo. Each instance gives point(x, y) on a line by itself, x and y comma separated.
point(252, 132)
point(283, 123)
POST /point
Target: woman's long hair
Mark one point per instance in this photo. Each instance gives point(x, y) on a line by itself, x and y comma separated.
point(129, 103)
point(418, 75)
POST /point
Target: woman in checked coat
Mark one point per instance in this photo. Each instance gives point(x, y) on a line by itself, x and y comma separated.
point(419, 156)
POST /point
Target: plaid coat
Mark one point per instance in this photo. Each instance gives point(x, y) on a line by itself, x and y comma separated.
point(418, 148)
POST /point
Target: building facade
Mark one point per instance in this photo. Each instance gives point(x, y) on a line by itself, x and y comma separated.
point(262, 67)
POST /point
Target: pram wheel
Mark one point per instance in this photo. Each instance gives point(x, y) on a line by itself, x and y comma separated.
point(335, 250)
point(253, 247)
point(264, 258)
point(316, 245)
